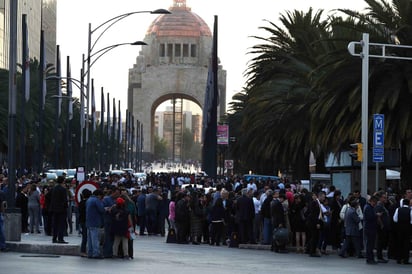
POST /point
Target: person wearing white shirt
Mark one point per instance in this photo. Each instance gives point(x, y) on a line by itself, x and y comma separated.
point(251, 186)
point(257, 222)
point(403, 220)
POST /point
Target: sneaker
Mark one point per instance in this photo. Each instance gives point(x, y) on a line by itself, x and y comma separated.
point(371, 262)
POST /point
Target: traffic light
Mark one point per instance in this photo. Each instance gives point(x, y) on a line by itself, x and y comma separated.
point(357, 151)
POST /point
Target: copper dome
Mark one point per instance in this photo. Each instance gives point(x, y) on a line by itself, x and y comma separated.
point(181, 23)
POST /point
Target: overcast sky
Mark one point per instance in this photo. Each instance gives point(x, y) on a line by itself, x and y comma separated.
point(238, 20)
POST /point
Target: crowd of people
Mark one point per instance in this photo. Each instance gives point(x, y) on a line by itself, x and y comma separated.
point(228, 211)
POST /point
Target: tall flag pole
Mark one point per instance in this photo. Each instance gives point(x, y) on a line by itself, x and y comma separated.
point(141, 146)
point(126, 134)
point(59, 82)
point(42, 97)
point(108, 117)
point(58, 108)
point(26, 58)
point(92, 131)
point(102, 144)
point(209, 155)
point(114, 121)
point(43, 71)
point(82, 116)
point(69, 89)
point(115, 144)
point(93, 109)
point(137, 159)
point(108, 145)
point(132, 142)
point(25, 93)
point(119, 135)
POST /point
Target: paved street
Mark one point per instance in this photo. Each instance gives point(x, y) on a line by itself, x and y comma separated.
point(153, 255)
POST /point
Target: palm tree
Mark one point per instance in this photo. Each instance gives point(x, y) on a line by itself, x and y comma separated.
point(389, 90)
point(275, 119)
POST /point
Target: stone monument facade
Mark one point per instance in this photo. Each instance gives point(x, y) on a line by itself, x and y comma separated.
point(174, 65)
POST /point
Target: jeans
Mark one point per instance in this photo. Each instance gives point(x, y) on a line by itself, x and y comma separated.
point(34, 218)
point(93, 244)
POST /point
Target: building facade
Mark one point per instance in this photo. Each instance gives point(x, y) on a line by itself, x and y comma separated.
point(40, 15)
point(173, 66)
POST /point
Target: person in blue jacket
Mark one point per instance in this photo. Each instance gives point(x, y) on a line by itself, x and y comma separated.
point(94, 221)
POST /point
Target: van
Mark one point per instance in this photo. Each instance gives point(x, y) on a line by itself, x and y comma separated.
point(257, 177)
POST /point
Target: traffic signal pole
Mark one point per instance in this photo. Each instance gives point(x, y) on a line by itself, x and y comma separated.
point(364, 118)
point(365, 82)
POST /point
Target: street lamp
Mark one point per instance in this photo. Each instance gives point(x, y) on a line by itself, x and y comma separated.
point(107, 24)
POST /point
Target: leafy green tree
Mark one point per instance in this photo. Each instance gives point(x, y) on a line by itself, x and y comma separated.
point(160, 148)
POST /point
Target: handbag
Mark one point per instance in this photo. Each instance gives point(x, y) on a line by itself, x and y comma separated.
point(171, 236)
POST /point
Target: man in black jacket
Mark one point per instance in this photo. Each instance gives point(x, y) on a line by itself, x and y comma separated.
point(278, 221)
point(245, 213)
point(182, 217)
point(58, 209)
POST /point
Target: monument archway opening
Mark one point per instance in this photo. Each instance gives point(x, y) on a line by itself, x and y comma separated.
point(176, 129)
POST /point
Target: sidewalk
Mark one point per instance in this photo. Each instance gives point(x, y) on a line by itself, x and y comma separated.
point(42, 244)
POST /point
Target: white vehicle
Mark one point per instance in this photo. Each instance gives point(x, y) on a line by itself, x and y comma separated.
point(128, 170)
point(71, 172)
point(140, 176)
point(50, 176)
point(117, 172)
point(59, 172)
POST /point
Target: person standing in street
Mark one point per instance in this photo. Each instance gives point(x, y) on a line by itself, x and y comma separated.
point(141, 211)
point(245, 214)
point(109, 201)
point(403, 220)
point(94, 221)
point(34, 208)
point(352, 232)
point(383, 226)
point(58, 208)
point(85, 195)
point(370, 226)
point(3, 206)
point(120, 227)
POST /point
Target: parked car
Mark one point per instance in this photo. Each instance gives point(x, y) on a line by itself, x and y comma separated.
point(59, 172)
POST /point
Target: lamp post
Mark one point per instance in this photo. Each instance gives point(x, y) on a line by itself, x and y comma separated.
point(11, 227)
point(90, 46)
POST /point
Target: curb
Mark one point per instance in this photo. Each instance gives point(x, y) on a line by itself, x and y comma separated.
point(50, 249)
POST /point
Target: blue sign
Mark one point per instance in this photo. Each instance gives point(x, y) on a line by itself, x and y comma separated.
point(378, 122)
point(378, 138)
point(378, 150)
point(378, 158)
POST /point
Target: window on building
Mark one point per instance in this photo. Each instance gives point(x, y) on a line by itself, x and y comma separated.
point(178, 52)
point(193, 52)
point(162, 50)
point(169, 50)
point(185, 50)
